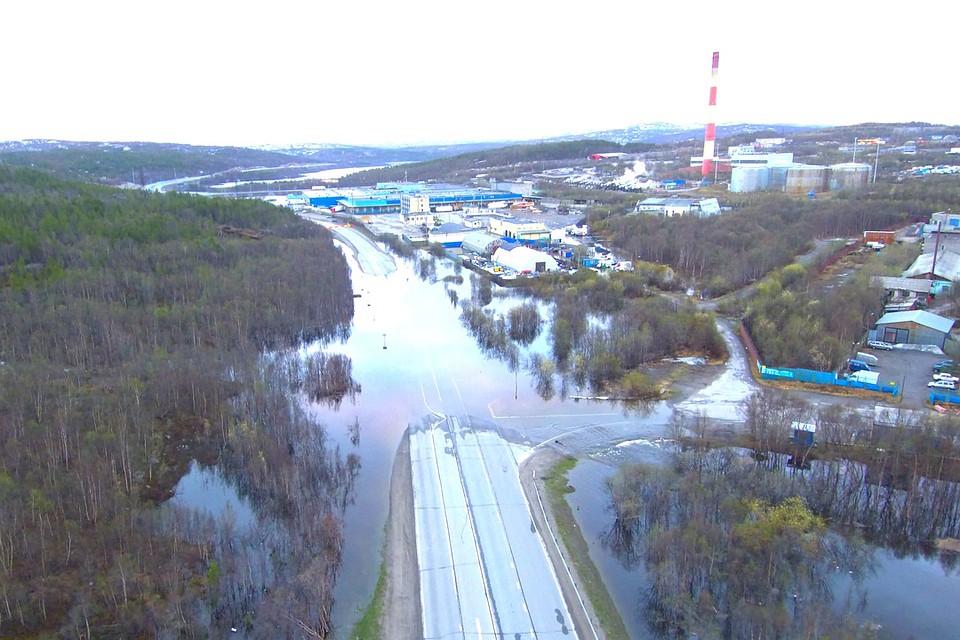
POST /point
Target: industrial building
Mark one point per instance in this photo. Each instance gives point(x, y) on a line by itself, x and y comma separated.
point(913, 327)
point(524, 188)
point(943, 241)
point(743, 158)
point(414, 203)
point(520, 230)
point(449, 234)
point(390, 198)
point(678, 206)
point(942, 265)
point(481, 242)
point(945, 221)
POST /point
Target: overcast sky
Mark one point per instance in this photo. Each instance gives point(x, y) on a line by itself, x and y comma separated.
point(434, 71)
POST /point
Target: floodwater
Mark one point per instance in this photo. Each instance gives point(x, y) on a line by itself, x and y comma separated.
point(590, 504)
point(909, 597)
point(721, 399)
point(429, 354)
point(205, 489)
point(414, 359)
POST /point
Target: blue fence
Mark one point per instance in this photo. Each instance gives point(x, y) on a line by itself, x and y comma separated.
point(825, 377)
point(941, 396)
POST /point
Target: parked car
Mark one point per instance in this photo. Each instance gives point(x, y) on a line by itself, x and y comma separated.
point(943, 363)
point(858, 365)
point(879, 344)
point(946, 376)
point(943, 384)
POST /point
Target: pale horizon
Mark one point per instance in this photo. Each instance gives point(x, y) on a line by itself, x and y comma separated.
point(428, 72)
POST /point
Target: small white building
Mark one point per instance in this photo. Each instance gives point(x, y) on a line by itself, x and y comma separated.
point(524, 259)
point(945, 221)
point(677, 206)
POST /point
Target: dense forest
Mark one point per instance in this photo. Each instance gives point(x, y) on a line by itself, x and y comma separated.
point(796, 321)
point(139, 332)
point(726, 252)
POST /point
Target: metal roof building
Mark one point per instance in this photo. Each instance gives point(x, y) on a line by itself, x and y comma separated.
point(481, 242)
point(449, 234)
point(947, 266)
point(914, 327)
point(915, 285)
point(676, 205)
point(386, 198)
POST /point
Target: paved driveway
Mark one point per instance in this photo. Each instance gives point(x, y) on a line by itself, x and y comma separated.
point(910, 368)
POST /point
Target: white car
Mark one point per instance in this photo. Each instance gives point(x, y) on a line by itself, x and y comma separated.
point(943, 384)
point(946, 376)
point(879, 344)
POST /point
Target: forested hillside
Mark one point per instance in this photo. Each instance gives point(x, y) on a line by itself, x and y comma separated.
point(765, 231)
point(132, 336)
point(138, 163)
point(466, 166)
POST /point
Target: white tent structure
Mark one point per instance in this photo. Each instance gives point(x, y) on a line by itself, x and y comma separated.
point(524, 259)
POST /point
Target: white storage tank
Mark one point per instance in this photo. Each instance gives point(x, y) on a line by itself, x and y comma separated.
point(850, 176)
point(745, 179)
point(804, 178)
point(778, 178)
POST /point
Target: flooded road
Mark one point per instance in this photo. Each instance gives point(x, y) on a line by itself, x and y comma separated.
point(409, 347)
point(722, 398)
point(429, 353)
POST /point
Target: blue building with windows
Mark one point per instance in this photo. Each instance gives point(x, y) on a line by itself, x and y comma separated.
point(385, 198)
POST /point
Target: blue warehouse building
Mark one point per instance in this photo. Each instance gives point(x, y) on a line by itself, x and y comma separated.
point(385, 198)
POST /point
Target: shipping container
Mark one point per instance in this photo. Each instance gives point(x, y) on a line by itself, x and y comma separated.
point(886, 237)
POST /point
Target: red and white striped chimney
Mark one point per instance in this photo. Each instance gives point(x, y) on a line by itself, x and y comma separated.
point(709, 140)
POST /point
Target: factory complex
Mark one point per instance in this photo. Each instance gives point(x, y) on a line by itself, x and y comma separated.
point(408, 198)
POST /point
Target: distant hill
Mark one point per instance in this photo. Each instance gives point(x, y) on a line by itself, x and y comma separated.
point(132, 162)
point(141, 163)
point(146, 162)
point(347, 155)
point(665, 133)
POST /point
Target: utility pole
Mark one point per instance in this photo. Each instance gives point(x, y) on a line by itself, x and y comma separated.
point(876, 162)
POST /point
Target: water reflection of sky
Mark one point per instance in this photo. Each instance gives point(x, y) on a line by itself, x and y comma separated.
point(432, 363)
point(911, 597)
point(204, 489)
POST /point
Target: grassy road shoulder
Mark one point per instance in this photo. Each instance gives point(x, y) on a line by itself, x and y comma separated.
point(590, 581)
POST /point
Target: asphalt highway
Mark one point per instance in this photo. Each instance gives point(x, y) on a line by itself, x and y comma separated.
point(484, 570)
